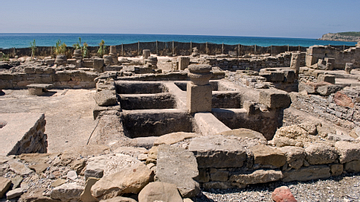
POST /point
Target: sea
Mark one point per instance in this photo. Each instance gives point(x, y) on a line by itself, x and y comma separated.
point(23, 40)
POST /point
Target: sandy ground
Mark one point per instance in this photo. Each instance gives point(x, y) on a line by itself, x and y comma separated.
point(68, 114)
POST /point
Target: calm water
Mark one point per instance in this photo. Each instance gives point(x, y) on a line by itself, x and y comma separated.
point(21, 40)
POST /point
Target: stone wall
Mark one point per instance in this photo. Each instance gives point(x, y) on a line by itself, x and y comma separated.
point(254, 63)
point(165, 48)
point(341, 55)
point(48, 75)
point(344, 112)
point(23, 133)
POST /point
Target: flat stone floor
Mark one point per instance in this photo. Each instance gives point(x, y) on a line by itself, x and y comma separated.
point(68, 114)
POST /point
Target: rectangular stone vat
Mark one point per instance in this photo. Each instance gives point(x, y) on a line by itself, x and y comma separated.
point(145, 123)
point(147, 101)
point(22, 133)
point(125, 87)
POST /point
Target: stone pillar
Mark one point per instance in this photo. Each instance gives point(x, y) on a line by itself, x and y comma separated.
point(61, 60)
point(113, 55)
point(98, 64)
point(152, 62)
point(348, 67)
point(146, 53)
point(183, 62)
point(195, 52)
point(199, 91)
point(108, 59)
point(295, 62)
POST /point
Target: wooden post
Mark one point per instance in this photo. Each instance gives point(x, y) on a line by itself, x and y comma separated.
point(299, 49)
point(173, 48)
point(206, 48)
point(157, 48)
point(222, 48)
point(190, 47)
point(122, 49)
point(288, 48)
point(255, 49)
point(271, 50)
point(138, 48)
point(238, 50)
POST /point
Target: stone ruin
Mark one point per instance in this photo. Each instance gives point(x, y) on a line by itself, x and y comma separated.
point(187, 123)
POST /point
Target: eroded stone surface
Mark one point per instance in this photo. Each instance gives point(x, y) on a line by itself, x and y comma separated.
point(178, 166)
point(159, 191)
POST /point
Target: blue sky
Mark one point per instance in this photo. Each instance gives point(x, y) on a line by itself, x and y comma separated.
point(273, 18)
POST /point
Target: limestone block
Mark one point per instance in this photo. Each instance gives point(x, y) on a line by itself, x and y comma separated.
point(19, 168)
point(294, 156)
point(108, 164)
point(352, 166)
point(173, 138)
point(348, 67)
point(4, 186)
point(336, 169)
point(319, 153)
point(217, 185)
point(274, 98)
point(290, 76)
point(108, 59)
point(127, 180)
point(119, 199)
point(146, 53)
point(244, 133)
point(159, 191)
point(86, 194)
point(326, 78)
point(208, 124)
point(307, 173)
point(348, 151)
point(67, 192)
point(256, 177)
point(183, 62)
point(273, 76)
point(295, 62)
point(329, 89)
point(267, 156)
point(105, 98)
point(178, 166)
point(199, 98)
point(98, 64)
point(218, 152)
point(219, 175)
point(203, 176)
point(14, 193)
point(61, 60)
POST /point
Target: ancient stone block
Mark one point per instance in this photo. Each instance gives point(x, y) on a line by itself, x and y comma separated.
point(307, 173)
point(336, 169)
point(217, 152)
point(105, 98)
point(199, 98)
point(217, 185)
point(4, 186)
point(219, 175)
point(159, 191)
point(329, 89)
point(183, 62)
point(352, 166)
point(294, 156)
point(326, 78)
point(127, 180)
point(348, 151)
point(98, 64)
point(256, 177)
point(267, 156)
point(146, 53)
point(318, 153)
point(274, 98)
point(67, 192)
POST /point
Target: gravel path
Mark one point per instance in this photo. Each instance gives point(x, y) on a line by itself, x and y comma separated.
point(341, 188)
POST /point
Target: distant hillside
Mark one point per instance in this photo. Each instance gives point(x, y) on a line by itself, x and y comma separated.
point(341, 36)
